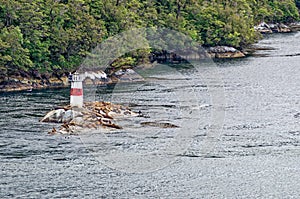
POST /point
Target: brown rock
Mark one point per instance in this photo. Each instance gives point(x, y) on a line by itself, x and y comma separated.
point(224, 52)
point(52, 132)
point(230, 55)
point(54, 81)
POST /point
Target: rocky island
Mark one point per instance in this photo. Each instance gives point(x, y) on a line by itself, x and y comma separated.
point(91, 115)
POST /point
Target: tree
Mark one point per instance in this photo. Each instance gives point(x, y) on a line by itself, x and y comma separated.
point(12, 55)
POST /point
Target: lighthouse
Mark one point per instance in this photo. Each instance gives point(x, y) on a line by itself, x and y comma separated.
point(76, 94)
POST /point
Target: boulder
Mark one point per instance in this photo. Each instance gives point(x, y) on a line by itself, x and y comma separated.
point(224, 52)
point(54, 116)
point(159, 124)
point(284, 28)
point(68, 116)
point(65, 80)
point(78, 121)
point(263, 28)
point(94, 77)
point(274, 28)
point(295, 26)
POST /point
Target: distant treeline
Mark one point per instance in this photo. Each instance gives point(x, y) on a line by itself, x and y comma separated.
point(55, 35)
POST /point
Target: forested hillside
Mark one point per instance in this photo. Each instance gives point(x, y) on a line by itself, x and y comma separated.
point(54, 35)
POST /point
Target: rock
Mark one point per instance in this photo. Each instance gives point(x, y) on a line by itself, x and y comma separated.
point(121, 113)
point(36, 75)
point(274, 28)
point(34, 80)
point(78, 121)
point(263, 28)
point(68, 116)
point(25, 81)
point(65, 81)
point(222, 49)
point(224, 52)
point(92, 115)
point(94, 77)
point(53, 131)
point(159, 124)
point(284, 28)
point(295, 26)
point(24, 74)
point(54, 116)
point(46, 76)
point(13, 85)
point(55, 82)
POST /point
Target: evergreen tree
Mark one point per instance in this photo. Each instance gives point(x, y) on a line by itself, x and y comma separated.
point(56, 35)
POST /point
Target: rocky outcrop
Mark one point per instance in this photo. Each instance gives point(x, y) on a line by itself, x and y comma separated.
point(121, 75)
point(265, 28)
point(37, 81)
point(95, 77)
point(159, 124)
point(295, 26)
point(92, 115)
point(13, 85)
point(28, 81)
point(224, 52)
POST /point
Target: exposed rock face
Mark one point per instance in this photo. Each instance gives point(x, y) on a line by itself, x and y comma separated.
point(224, 52)
point(295, 26)
point(14, 85)
point(54, 116)
point(58, 82)
point(265, 28)
point(26, 81)
point(283, 28)
point(37, 81)
point(95, 77)
point(60, 116)
point(92, 115)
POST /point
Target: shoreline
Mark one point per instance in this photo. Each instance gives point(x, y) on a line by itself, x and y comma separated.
point(28, 82)
point(18, 84)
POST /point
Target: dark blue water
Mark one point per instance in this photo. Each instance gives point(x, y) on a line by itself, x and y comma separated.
point(256, 153)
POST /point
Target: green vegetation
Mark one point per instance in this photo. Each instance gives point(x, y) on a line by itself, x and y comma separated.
point(55, 35)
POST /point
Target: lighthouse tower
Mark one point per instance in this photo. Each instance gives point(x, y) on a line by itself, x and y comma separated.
point(76, 95)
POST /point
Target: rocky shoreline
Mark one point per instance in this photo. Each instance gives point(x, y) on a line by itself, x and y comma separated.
point(12, 84)
point(23, 81)
point(223, 52)
point(269, 28)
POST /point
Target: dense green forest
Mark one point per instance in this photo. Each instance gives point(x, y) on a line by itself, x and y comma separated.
point(55, 35)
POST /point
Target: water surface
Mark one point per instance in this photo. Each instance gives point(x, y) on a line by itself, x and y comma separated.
point(256, 153)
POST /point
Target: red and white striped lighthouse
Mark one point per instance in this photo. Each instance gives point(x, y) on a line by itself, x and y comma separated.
point(76, 95)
